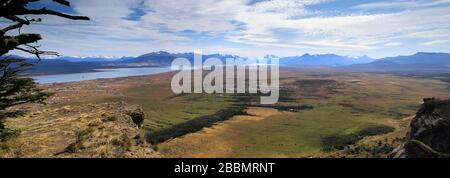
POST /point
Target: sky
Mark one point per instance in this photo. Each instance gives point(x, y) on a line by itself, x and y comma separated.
point(250, 28)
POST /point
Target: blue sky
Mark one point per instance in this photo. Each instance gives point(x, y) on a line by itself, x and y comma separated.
point(251, 28)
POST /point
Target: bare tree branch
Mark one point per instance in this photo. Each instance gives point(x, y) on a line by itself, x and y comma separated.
point(63, 2)
point(11, 27)
point(45, 11)
point(34, 50)
point(16, 19)
point(18, 25)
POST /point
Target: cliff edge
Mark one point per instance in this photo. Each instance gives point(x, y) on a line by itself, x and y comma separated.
point(429, 135)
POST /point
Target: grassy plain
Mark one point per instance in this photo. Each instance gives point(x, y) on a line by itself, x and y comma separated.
point(343, 106)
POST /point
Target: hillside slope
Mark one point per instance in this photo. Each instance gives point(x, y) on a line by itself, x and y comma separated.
point(87, 130)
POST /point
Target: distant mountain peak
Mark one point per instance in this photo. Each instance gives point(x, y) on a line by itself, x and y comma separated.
point(306, 55)
point(162, 52)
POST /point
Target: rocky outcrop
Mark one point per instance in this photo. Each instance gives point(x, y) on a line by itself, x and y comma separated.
point(135, 112)
point(86, 130)
point(429, 135)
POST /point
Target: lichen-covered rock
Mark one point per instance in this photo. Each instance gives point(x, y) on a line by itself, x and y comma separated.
point(430, 132)
point(87, 130)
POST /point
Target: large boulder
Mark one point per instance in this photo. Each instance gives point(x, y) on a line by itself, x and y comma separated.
point(135, 112)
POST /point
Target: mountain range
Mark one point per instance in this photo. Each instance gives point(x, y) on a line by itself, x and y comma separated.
point(66, 64)
point(163, 58)
point(418, 62)
point(323, 60)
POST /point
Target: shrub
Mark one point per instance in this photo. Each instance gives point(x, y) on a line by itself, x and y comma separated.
point(340, 142)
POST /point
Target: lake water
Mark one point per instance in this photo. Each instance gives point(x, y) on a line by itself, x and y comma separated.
point(100, 74)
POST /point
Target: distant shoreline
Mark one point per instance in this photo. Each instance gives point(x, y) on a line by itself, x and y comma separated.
point(99, 74)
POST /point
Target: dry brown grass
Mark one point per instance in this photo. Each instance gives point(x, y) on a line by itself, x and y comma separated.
point(87, 130)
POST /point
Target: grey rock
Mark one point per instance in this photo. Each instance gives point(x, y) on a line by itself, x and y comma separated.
point(429, 136)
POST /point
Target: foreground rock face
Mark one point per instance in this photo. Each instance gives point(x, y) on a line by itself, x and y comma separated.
point(87, 130)
point(429, 136)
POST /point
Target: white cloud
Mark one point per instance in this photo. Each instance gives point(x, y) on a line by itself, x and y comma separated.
point(401, 4)
point(242, 27)
point(391, 44)
point(288, 8)
point(436, 42)
point(354, 32)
